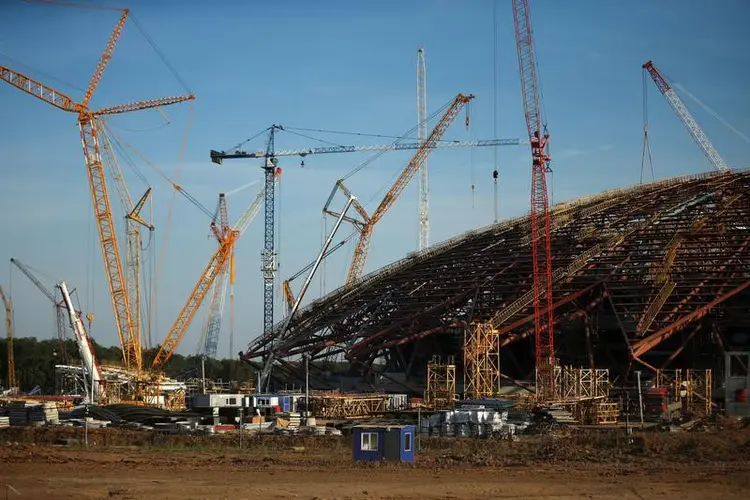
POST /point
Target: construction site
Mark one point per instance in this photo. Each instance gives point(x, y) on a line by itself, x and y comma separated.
point(605, 335)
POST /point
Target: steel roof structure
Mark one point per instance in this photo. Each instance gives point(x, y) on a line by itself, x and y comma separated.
point(646, 275)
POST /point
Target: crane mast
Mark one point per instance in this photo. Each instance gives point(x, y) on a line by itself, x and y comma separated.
point(210, 336)
point(10, 380)
point(424, 221)
point(270, 156)
point(90, 141)
point(540, 223)
point(687, 119)
point(133, 223)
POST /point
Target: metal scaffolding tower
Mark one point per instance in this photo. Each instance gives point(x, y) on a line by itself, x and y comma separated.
point(424, 220)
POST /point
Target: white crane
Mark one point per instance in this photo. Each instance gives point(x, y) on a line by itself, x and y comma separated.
point(86, 350)
point(218, 293)
point(679, 107)
point(424, 217)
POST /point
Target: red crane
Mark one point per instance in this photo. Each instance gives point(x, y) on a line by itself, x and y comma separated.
point(540, 221)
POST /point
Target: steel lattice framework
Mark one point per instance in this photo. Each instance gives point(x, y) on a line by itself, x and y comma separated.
point(633, 269)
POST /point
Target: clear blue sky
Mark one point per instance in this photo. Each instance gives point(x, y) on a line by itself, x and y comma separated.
point(338, 65)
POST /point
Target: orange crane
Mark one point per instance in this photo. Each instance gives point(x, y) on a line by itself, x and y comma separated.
point(540, 220)
point(368, 223)
point(87, 124)
point(227, 237)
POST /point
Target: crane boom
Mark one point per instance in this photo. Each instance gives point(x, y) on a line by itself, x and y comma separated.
point(218, 294)
point(215, 266)
point(27, 272)
point(360, 251)
point(219, 156)
point(85, 347)
point(59, 313)
point(39, 90)
point(106, 57)
point(215, 313)
point(687, 119)
point(540, 223)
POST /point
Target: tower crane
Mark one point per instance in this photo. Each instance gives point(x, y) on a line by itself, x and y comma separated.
point(59, 305)
point(10, 380)
point(216, 266)
point(270, 157)
point(424, 191)
point(687, 119)
point(89, 132)
point(221, 232)
point(540, 220)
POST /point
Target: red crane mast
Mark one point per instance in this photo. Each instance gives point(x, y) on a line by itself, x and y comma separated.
point(540, 220)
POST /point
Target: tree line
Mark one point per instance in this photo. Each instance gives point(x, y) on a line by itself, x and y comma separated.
point(35, 362)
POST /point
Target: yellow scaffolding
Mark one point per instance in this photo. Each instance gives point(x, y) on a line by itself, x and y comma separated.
point(481, 361)
point(693, 388)
point(441, 383)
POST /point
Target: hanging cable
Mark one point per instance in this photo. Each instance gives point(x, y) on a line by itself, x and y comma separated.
point(495, 173)
point(46, 76)
point(472, 177)
point(322, 141)
point(239, 146)
point(170, 210)
point(711, 112)
point(646, 154)
point(160, 54)
point(360, 134)
point(408, 133)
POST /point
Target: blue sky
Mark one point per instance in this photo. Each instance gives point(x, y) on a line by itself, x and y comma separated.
point(337, 65)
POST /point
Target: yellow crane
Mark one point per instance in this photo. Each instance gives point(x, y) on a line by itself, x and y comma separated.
point(87, 124)
point(10, 380)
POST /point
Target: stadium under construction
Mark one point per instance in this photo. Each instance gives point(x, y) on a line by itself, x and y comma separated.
point(645, 278)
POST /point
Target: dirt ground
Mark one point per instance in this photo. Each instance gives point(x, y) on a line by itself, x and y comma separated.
point(700, 466)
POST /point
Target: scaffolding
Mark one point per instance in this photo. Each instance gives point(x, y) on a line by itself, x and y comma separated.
point(441, 383)
point(693, 388)
point(580, 384)
point(481, 361)
point(336, 405)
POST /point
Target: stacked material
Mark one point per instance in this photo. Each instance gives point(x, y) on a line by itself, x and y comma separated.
point(51, 415)
point(4, 422)
point(561, 414)
point(17, 411)
point(478, 421)
point(35, 415)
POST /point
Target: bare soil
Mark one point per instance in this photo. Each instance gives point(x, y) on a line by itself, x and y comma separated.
point(565, 465)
